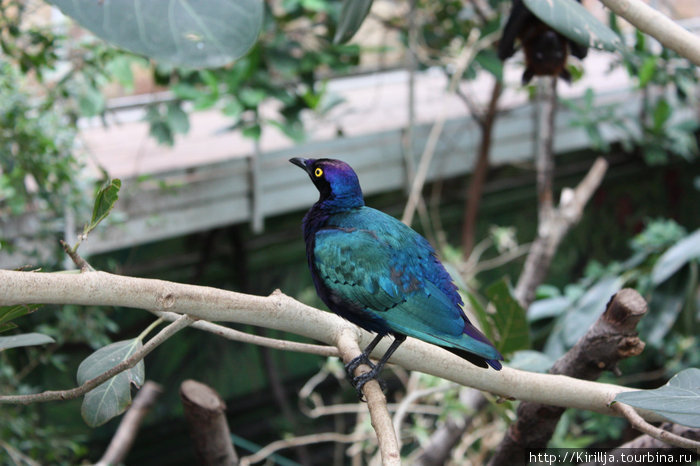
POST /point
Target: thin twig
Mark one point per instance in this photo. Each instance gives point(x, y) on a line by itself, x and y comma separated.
point(131, 361)
point(17, 456)
point(297, 441)
point(77, 259)
point(467, 54)
point(412, 396)
point(237, 335)
point(643, 426)
point(350, 408)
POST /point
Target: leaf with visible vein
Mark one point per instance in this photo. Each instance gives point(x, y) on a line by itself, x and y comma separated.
point(112, 397)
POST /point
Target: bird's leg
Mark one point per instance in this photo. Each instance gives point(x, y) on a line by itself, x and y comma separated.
point(362, 358)
point(360, 380)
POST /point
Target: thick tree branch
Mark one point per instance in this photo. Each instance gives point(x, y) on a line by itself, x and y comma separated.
point(131, 361)
point(611, 338)
point(651, 21)
point(284, 313)
point(551, 231)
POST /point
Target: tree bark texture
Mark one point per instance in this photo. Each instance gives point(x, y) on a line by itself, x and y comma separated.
point(206, 420)
point(613, 337)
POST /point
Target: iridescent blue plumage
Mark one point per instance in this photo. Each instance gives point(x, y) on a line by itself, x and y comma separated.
point(378, 273)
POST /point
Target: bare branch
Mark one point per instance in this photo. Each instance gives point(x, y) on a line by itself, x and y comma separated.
point(659, 26)
point(552, 230)
point(53, 395)
point(297, 441)
point(610, 339)
point(284, 313)
point(237, 335)
point(467, 54)
point(77, 259)
point(647, 441)
point(643, 426)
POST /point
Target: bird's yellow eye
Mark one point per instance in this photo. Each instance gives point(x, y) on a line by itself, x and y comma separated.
point(318, 172)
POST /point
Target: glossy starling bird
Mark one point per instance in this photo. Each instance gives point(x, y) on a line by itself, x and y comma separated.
point(378, 273)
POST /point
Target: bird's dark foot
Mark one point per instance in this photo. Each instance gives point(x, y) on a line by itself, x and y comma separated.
point(359, 381)
point(352, 365)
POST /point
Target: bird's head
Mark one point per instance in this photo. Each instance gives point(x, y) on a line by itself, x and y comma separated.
point(335, 180)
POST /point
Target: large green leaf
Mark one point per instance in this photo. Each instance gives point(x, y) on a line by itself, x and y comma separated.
point(509, 319)
point(572, 20)
point(202, 34)
point(8, 313)
point(113, 396)
point(676, 257)
point(24, 339)
point(352, 15)
point(678, 400)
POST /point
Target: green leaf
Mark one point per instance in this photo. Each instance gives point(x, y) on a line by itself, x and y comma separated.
point(530, 360)
point(678, 400)
point(550, 307)
point(104, 202)
point(572, 20)
point(510, 319)
point(8, 313)
point(646, 71)
point(661, 114)
point(676, 257)
point(113, 396)
point(177, 119)
point(24, 339)
point(352, 14)
point(252, 131)
point(489, 61)
point(202, 34)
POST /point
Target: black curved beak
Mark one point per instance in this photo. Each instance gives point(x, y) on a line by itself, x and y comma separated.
point(301, 163)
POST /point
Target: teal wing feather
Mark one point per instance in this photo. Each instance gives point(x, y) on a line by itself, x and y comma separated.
point(388, 270)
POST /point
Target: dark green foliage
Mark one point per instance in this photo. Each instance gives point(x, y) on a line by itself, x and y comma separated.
point(286, 66)
point(206, 34)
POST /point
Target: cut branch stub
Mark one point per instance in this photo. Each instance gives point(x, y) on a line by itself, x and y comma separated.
point(611, 338)
point(204, 411)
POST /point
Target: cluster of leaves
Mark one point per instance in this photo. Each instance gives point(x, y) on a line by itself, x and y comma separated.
point(72, 324)
point(47, 81)
point(666, 125)
point(663, 268)
point(286, 66)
